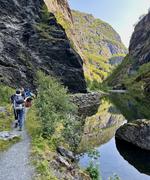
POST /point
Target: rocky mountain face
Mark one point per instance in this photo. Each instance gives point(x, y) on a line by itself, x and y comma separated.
point(99, 43)
point(60, 7)
point(95, 40)
point(136, 66)
point(32, 40)
point(140, 42)
point(96, 36)
point(64, 17)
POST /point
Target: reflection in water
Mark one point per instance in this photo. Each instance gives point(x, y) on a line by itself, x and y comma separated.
point(101, 127)
point(137, 157)
point(131, 107)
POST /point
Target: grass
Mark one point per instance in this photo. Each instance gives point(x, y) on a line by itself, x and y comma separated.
point(42, 149)
point(119, 72)
point(137, 82)
point(49, 125)
point(4, 145)
point(5, 93)
point(6, 118)
point(97, 67)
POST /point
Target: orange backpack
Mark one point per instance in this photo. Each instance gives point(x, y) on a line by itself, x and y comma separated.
point(28, 102)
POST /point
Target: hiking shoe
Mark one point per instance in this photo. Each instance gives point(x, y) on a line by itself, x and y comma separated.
point(20, 129)
point(16, 125)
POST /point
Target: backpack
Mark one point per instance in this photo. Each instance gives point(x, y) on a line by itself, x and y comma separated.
point(27, 93)
point(28, 102)
point(18, 102)
point(12, 98)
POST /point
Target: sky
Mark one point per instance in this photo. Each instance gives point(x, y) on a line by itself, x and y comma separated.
point(121, 14)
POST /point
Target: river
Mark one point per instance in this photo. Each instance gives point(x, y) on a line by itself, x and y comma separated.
point(116, 157)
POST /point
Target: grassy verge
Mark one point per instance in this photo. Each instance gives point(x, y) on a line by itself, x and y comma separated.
point(4, 145)
point(6, 117)
point(42, 149)
point(51, 123)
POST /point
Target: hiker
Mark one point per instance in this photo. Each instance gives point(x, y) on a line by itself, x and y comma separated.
point(15, 114)
point(22, 92)
point(18, 105)
point(28, 93)
point(12, 102)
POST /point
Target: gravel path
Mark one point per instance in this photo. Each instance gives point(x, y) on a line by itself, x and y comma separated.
point(14, 163)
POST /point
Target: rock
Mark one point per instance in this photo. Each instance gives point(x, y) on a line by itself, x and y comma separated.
point(64, 162)
point(5, 135)
point(138, 58)
point(116, 60)
point(87, 103)
point(2, 109)
point(68, 171)
point(136, 132)
point(84, 176)
point(140, 41)
point(66, 153)
point(29, 42)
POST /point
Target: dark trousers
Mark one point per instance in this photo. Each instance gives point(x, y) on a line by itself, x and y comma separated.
point(15, 114)
point(19, 116)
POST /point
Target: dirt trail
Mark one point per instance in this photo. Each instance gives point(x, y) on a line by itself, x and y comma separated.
point(14, 163)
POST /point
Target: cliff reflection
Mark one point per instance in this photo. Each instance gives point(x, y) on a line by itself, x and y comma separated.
point(101, 127)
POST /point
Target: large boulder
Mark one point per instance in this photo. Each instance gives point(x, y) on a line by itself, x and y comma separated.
point(87, 103)
point(136, 132)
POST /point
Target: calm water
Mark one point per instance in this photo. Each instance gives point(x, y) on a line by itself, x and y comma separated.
point(127, 161)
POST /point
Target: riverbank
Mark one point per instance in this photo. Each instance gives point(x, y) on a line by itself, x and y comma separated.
point(50, 163)
point(99, 133)
point(53, 124)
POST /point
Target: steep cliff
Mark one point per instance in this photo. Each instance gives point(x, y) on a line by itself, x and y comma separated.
point(95, 40)
point(31, 39)
point(135, 69)
point(60, 7)
point(64, 17)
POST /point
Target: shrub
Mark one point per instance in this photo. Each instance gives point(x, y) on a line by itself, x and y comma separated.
point(72, 132)
point(45, 14)
point(114, 177)
point(93, 168)
point(93, 171)
point(53, 104)
point(5, 93)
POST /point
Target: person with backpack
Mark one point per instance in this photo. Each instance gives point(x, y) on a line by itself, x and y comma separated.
point(18, 104)
point(28, 93)
point(14, 111)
